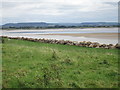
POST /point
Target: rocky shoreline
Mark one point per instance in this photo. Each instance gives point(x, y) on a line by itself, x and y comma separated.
point(67, 42)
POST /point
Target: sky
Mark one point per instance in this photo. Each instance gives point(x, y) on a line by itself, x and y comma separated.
point(58, 11)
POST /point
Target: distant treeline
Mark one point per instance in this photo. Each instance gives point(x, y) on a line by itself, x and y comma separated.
point(57, 26)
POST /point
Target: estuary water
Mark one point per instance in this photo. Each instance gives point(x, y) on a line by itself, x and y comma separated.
point(57, 34)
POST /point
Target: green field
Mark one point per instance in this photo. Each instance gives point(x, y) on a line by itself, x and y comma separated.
point(27, 64)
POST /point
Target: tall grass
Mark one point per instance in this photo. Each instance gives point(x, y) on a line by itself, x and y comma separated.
point(28, 64)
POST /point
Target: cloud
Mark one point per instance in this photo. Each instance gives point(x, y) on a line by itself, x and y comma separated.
point(53, 10)
point(111, 3)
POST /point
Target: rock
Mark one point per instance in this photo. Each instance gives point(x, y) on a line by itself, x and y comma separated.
point(110, 46)
point(103, 45)
point(91, 45)
point(117, 46)
point(95, 44)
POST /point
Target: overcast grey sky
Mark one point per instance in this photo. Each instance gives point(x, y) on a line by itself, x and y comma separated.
point(71, 11)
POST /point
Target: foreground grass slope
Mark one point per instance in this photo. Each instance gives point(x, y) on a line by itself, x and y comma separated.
point(40, 65)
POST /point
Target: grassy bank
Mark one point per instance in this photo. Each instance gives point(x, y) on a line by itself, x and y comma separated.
point(40, 65)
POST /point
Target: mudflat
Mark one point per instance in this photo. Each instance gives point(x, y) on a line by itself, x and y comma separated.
point(92, 35)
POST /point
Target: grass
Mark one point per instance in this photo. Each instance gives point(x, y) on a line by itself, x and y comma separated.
point(28, 64)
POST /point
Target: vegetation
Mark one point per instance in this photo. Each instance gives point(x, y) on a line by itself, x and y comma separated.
point(28, 64)
point(59, 27)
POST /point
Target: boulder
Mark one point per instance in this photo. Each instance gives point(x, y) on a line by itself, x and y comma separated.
point(110, 46)
point(103, 45)
point(117, 46)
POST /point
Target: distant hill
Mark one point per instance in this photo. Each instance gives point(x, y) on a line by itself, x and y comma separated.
point(100, 23)
point(41, 24)
point(57, 25)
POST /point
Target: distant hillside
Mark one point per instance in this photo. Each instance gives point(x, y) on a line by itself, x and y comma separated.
point(41, 24)
point(57, 25)
point(100, 23)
